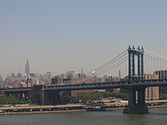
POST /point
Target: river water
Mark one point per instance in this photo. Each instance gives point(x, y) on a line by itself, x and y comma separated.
point(157, 116)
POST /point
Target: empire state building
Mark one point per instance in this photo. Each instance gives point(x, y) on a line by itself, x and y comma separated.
point(27, 68)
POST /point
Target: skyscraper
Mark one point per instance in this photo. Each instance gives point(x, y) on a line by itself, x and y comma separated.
point(27, 68)
point(48, 77)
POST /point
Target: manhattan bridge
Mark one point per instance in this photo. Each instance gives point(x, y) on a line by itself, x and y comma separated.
point(135, 63)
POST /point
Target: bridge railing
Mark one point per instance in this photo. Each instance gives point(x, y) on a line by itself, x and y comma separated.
point(98, 85)
point(16, 89)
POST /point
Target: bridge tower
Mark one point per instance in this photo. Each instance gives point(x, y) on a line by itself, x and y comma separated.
point(136, 64)
point(136, 95)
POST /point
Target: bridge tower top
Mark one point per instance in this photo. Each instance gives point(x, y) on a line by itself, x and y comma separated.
point(136, 63)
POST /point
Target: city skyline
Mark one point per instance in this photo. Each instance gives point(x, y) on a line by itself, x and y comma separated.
point(59, 36)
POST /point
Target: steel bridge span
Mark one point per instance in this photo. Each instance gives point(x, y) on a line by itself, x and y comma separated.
point(135, 85)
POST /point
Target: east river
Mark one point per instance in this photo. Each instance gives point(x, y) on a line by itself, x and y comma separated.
point(157, 116)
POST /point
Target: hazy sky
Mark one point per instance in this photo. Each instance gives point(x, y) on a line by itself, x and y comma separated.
point(62, 35)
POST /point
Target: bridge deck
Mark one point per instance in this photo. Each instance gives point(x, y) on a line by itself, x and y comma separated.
point(84, 86)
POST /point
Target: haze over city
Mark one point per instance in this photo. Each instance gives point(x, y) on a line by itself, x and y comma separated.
point(83, 62)
point(58, 36)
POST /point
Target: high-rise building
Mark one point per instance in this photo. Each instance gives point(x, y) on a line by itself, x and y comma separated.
point(48, 77)
point(152, 93)
point(162, 74)
point(57, 80)
point(27, 68)
point(1, 79)
point(70, 74)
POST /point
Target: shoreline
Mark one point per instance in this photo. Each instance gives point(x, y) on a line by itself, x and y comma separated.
point(68, 110)
point(42, 112)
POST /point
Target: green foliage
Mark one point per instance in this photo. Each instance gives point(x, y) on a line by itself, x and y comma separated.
point(12, 100)
point(85, 97)
point(163, 96)
point(66, 99)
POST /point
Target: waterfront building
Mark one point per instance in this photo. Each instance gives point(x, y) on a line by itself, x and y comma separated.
point(116, 79)
point(113, 79)
point(81, 79)
point(162, 74)
point(57, 80)
point(152, 93)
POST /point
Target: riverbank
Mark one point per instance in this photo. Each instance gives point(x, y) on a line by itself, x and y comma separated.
point(39, 112)
point(58, 109)
point(34, 109)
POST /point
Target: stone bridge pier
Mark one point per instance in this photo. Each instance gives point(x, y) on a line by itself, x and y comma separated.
point(51, 97)
point(136, 101)
point(38, 95)
point(136, 95)
point(43, 97)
